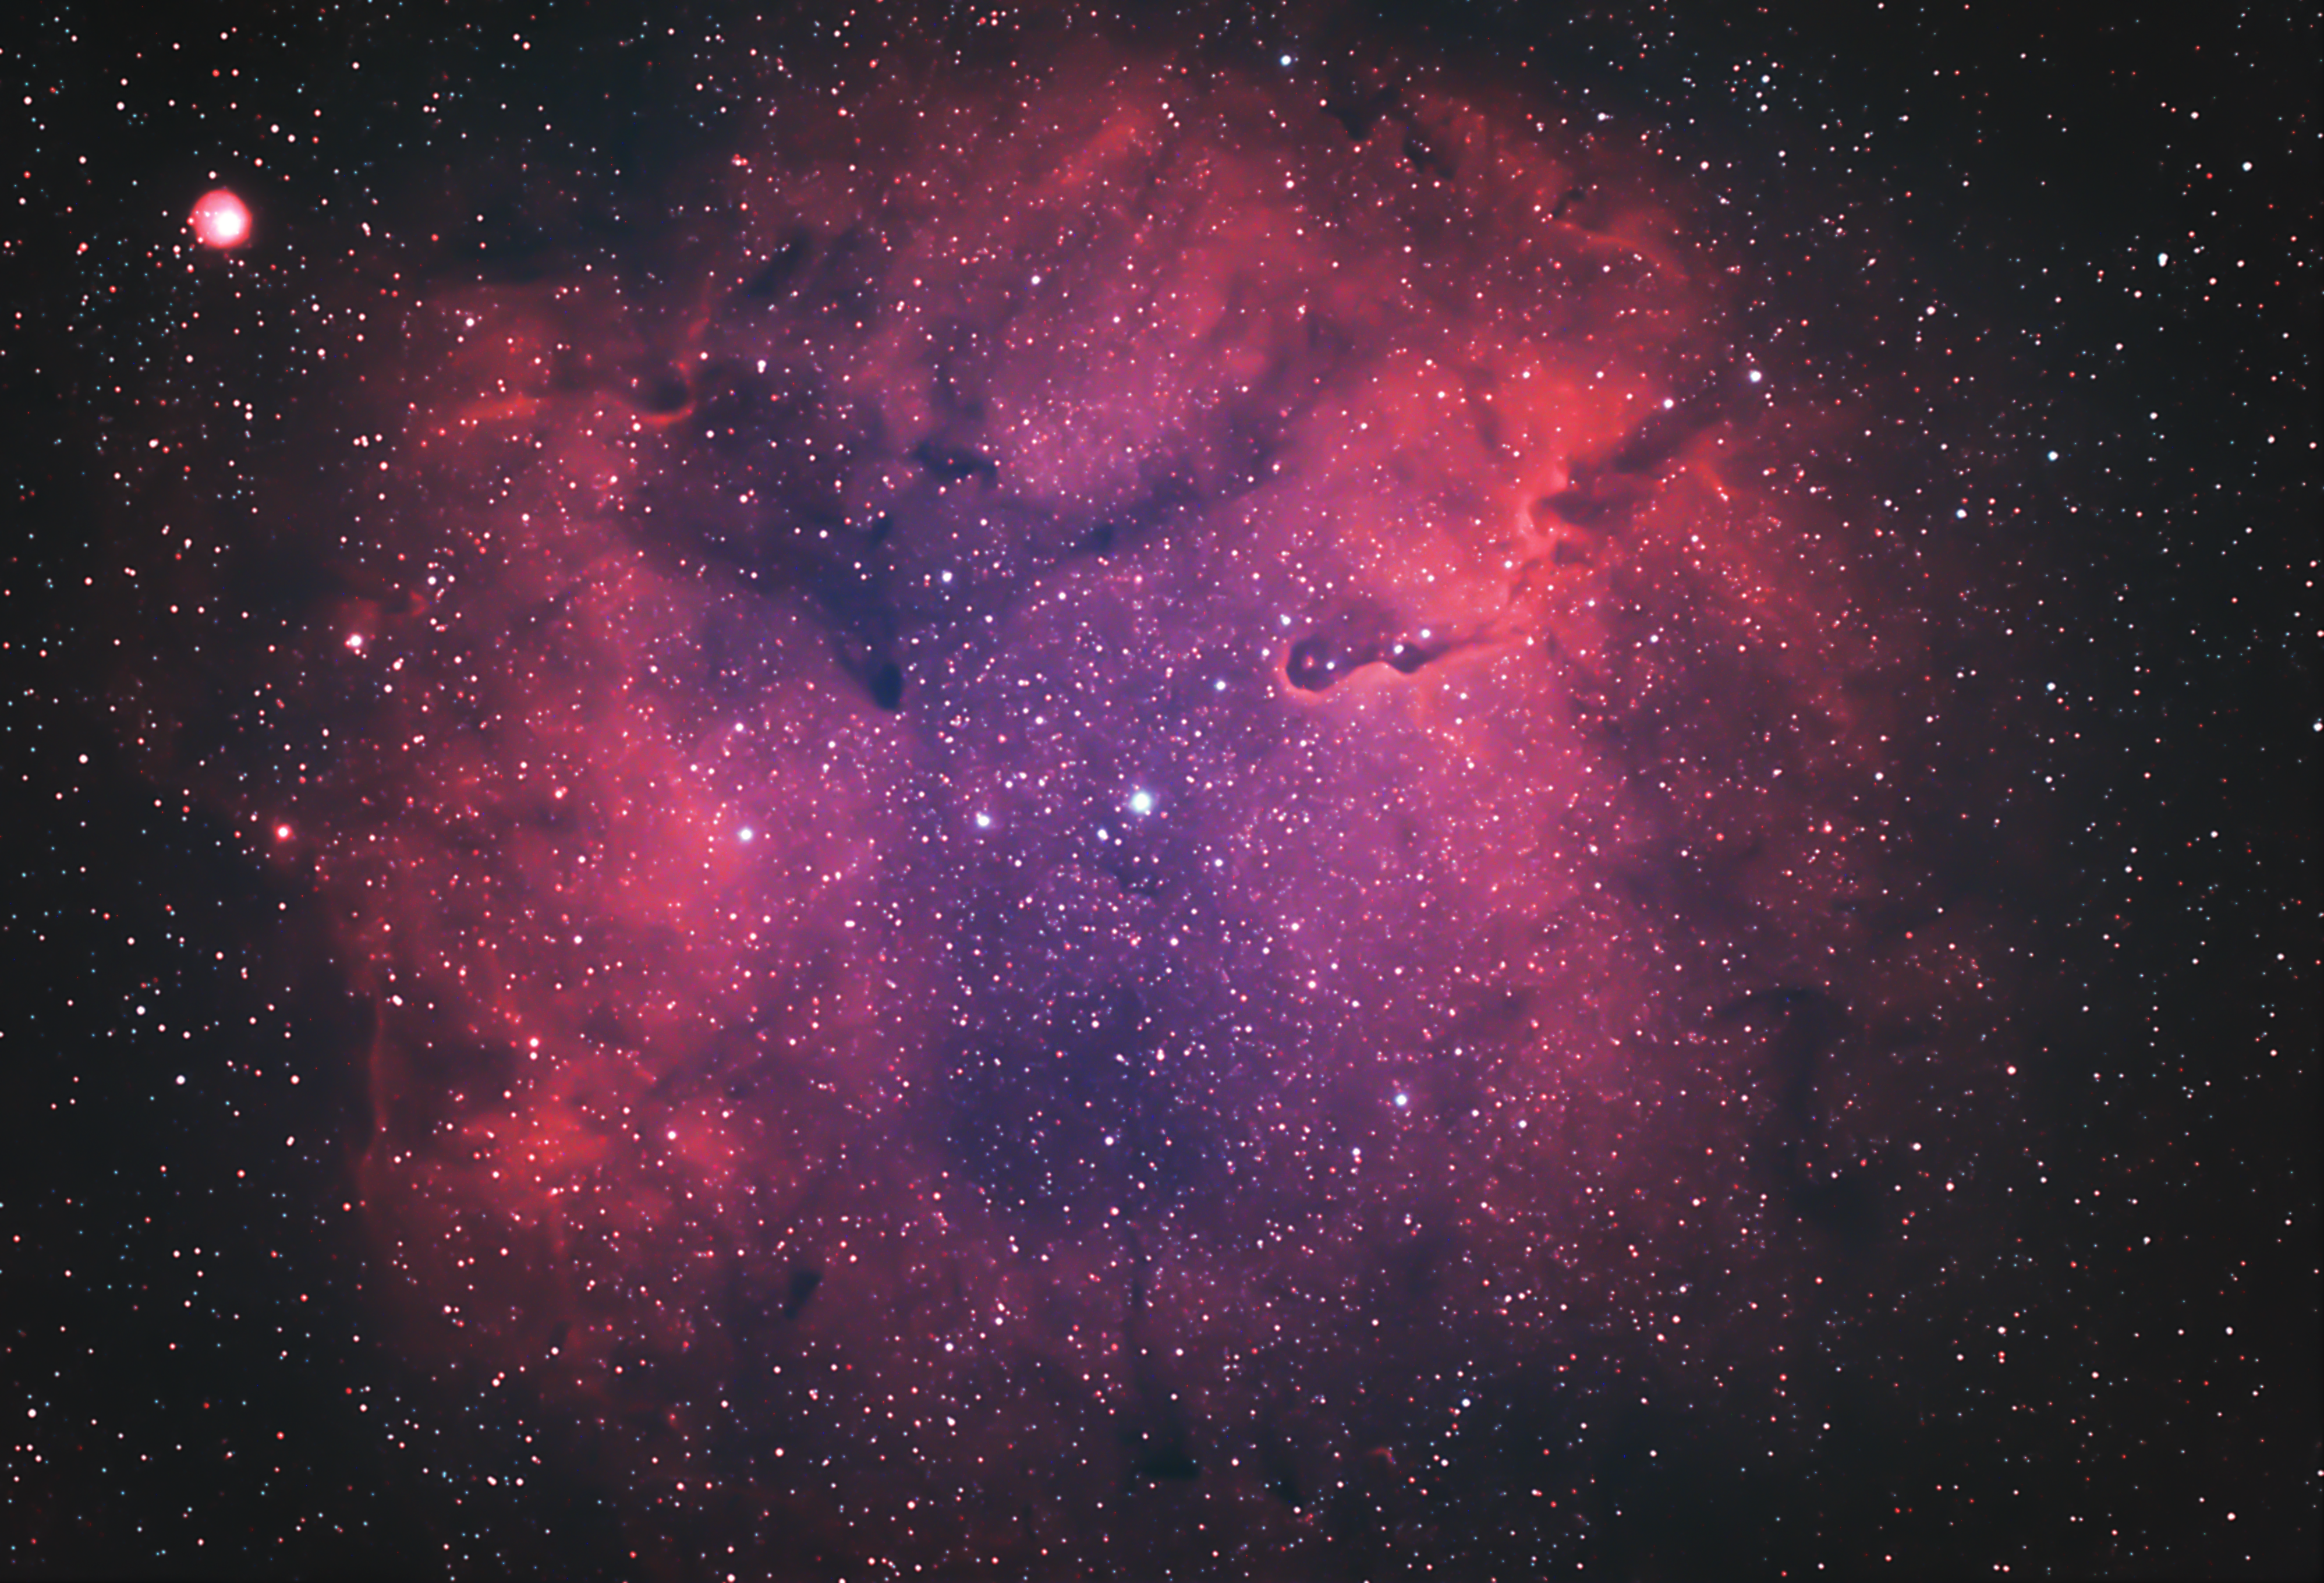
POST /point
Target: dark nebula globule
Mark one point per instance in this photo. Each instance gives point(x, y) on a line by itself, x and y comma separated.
point(1089, 802)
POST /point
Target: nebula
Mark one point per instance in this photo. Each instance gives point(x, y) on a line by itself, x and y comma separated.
point(1102, 809)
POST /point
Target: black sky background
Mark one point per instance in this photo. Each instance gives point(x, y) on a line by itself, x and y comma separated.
point(193, 1383)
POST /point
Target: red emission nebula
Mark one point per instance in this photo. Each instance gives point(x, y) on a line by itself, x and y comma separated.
point(1097, 791)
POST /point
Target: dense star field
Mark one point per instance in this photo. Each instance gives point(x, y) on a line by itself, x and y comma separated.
point(1050, 795)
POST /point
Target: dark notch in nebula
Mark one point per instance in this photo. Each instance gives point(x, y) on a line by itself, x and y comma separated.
point(1155, 1430)
point(1067, 1124)
point(796, 454)
point(1367, 103)
point(1604, 492)
point(1603, 495)
point(780, 273)
point(1799, 1033)
point(1324, 659)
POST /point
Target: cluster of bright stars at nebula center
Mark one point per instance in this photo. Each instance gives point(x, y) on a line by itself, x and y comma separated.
point(1140, 802)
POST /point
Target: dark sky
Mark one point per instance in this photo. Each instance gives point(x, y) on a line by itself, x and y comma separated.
point(1382, 791)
